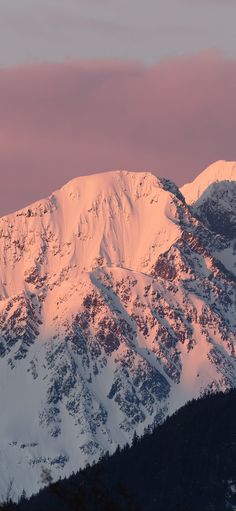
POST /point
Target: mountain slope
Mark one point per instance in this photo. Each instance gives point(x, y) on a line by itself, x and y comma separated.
point(102, 219)
point(212, 198)
point(187, 464)
point(215, 173)
point(116, 308)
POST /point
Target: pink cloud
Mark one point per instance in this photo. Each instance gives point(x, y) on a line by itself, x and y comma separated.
point(58, 121)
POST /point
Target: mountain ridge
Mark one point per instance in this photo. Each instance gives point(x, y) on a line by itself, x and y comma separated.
point(218, 171)
point(116, 307)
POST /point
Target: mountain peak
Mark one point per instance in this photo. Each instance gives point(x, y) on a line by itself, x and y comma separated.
point(114, 181)
point(96, 220)
point(116, 307)
point(219, 171)
point(135, 183)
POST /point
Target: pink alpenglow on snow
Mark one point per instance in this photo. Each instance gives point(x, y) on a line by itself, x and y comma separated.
point(59, 121)
point(117, 307)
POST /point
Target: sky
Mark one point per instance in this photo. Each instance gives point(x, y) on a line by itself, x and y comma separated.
point(143, 30)
point(95, 85)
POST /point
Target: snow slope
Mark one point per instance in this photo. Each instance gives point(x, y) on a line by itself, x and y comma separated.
point(212, 197)
point(217, 172)
point(115, 308)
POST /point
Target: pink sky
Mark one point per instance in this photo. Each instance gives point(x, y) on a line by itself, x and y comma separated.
point(58, 121)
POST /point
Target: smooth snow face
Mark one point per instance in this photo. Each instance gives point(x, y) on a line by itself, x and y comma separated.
point(121, 218)
point(114, 311)
point(218, 171)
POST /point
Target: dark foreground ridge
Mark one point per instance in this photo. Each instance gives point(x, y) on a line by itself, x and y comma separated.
point(187, 464)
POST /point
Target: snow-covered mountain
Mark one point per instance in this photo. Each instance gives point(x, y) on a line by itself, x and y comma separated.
point(117, 305)
point(212, 199)
point(215, 173)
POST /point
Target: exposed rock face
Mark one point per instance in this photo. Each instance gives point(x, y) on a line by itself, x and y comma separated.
point(117, 305)
point(216, 208)
point(212, 199)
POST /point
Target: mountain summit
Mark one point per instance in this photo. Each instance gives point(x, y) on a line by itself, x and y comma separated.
point(117, 305)
point(98, 220)
point(215, 173)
